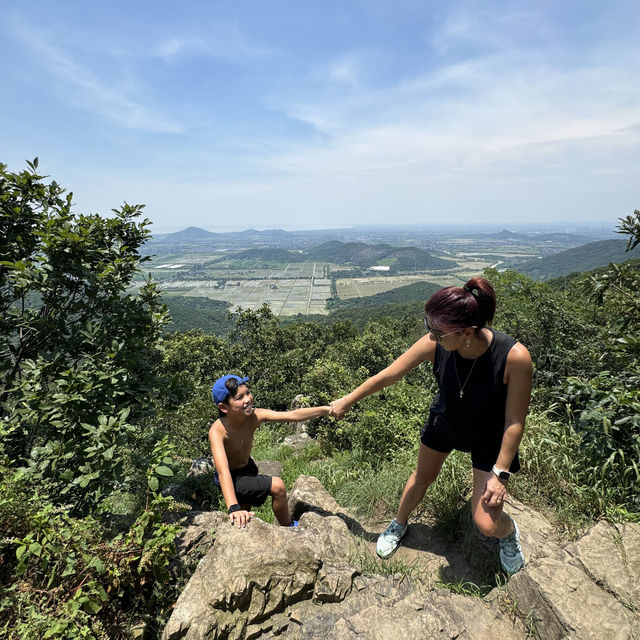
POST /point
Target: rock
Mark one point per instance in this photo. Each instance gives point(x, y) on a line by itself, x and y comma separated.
point(201, 467)
point(270, 467)
point(610, 555)
point(335, 580)
point(298, 441)
point(565, 603)
point(267, 581)
point(308, 494)
point(198, 533)
point(435, 614)
point(249, 575)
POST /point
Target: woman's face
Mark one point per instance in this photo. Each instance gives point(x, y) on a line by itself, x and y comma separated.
point(444, 336)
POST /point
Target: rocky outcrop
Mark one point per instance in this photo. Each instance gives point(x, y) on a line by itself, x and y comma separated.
point(587, 590)
point(322, 580)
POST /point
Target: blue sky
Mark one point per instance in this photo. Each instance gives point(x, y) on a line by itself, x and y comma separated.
point(230, 115)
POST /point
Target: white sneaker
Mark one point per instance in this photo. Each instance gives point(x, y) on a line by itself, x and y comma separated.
point(511, 555)
point(390, 539)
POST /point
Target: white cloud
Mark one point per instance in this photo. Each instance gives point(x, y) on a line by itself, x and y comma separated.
point(87, 89)
point(226, 42)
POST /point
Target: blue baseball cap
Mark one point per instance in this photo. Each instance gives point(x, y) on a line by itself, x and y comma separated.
point(219, 392)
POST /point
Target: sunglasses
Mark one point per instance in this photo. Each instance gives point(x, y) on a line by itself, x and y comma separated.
point(437, 335)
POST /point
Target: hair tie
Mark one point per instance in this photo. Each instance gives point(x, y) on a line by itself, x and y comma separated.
point(473, 292)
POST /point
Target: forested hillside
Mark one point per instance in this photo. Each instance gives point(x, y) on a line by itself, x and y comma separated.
point(583, 258)
point(366, 255)
point(102, 408)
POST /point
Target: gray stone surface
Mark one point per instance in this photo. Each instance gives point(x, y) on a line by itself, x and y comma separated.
point(267, 581)
point(610, 554)
point(565, 603)
point(270, 467)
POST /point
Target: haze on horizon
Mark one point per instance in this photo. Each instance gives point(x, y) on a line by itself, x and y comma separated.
point(230, 116)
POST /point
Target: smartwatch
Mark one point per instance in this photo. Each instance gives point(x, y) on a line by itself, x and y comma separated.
point(233, 508)
point(501, 473)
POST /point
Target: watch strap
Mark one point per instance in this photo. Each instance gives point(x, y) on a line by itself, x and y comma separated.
point(502, 474)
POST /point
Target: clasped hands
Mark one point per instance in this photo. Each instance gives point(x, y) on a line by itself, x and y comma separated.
point(338, 408)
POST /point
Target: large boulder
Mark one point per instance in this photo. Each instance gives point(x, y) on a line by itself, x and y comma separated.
point(248, 576)
point(266, 581)
point(590, 592)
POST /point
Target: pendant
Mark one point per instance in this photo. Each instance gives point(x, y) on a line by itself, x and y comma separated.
point(461, 393)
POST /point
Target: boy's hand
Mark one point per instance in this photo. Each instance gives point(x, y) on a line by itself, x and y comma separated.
point(241, 518)
point(339, 408)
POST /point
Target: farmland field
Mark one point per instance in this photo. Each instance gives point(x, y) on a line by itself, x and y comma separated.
point(248, 278)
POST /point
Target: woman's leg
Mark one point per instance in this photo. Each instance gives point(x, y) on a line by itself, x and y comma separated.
point(429, 464)
point(491, 521)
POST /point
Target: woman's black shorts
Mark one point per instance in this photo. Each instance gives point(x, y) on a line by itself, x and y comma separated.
point(440, 434)
point(251, 487)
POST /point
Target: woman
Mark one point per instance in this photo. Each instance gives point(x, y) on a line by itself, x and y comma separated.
point(484, 381)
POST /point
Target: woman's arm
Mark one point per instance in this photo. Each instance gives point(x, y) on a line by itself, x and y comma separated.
point(518, 375)
point(423, 349)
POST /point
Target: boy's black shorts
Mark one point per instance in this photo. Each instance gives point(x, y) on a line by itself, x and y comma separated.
point(440, 434)
point(250, 486)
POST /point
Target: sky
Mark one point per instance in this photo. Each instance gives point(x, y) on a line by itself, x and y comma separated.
point(294, 115)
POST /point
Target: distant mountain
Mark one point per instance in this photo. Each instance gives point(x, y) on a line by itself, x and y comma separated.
point(367, 255)
point(190, 234)
point(564, 238)
point(558, 237)
point(583, 258)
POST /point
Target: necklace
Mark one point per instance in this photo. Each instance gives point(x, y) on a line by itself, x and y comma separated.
point(455, 366)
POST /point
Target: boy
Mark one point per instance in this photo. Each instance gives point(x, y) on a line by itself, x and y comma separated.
point(231, 439)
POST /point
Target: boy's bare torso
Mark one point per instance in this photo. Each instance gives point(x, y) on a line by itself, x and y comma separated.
point(237, 439)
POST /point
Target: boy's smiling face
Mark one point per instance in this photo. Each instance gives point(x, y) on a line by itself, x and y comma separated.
point(239, 405)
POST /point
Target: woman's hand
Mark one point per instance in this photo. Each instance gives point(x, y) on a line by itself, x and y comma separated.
point(339, 408)
point(241, 518)
point(495, 491)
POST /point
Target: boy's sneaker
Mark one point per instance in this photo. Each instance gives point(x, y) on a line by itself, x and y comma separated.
point(511, 555)
point(390, 539)
point(294, 524)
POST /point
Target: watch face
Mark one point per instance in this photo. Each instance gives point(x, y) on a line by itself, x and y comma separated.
point(504, 475)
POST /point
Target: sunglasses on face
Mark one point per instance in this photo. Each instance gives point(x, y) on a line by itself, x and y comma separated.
point(437, 335)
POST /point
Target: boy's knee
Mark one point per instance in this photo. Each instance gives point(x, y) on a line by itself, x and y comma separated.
point(277, 487)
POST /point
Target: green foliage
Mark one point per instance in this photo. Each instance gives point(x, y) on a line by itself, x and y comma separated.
point(77, 353)
point(187, 313)
point(556, 326)
point(70, 577)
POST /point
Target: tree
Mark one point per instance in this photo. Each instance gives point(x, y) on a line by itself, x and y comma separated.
point(78, 346)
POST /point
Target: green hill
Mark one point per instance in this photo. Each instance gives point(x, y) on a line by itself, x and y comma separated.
point(583, 258)
point(417, 291)
point(367, 255)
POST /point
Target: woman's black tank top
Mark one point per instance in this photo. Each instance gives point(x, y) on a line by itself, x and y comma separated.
point(482, 404)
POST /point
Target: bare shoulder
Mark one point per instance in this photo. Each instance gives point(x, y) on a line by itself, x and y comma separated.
point(519, 355)
point(519, 362)
point(217, 430)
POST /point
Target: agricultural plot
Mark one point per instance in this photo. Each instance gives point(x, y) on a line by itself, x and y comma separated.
point(286, 297)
